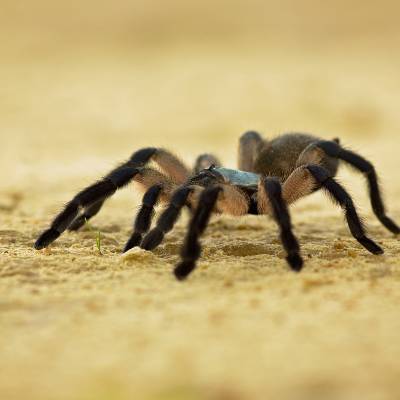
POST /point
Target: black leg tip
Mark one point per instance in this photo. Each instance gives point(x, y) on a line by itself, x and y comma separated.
point(295, 261)
point(134, 241)
point(152, 239)
point(183, 269)
point(46, 238)
point(371, 246)
point(378, 250)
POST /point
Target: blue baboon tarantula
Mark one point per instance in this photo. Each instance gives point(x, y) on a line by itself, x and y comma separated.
point(272, 175)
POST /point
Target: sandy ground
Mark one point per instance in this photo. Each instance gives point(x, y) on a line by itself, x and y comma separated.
point(75, 324)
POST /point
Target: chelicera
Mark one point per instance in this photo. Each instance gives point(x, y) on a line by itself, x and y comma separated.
point(271, 175)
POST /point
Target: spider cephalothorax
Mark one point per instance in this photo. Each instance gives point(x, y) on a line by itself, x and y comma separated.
point(271, 176)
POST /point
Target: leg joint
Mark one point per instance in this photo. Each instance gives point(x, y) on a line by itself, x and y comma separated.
point(273, 186)
point(320, 174)
point(142, 156)
point(331, 148)
point(151, 196)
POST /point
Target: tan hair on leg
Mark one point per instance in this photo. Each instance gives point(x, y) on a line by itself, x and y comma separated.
point(250, 144)
point(148, 177)
point(232, 201)
point(172, 166)
point(263, 202)
point(194, 196)
point(205, 161)
point(310, 155)
point(299, 184)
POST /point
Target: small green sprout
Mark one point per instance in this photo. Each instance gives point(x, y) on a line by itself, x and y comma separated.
point(97, 236)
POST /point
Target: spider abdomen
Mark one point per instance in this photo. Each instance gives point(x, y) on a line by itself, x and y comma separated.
point(279, 156)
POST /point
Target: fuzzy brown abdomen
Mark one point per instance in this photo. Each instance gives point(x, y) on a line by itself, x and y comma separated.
point(279, 156)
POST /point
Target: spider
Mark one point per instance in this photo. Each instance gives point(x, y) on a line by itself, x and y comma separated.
point(272, 175)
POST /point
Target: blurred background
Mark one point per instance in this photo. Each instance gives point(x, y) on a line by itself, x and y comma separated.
point(100, 79)
point(85, 83)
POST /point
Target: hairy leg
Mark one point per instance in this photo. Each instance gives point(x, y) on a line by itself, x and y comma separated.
point(221, 198)
point(270, 192)
point(342, 198)
point(191, 249)
point(250, 144)
point(308, 178)
point(230, 201)
point(169, 163)
point(168, 218)
point(333, 149)
point(205, 161)
point(145, 215)
point(88, 213)
point(95, 194)
point(138, 159)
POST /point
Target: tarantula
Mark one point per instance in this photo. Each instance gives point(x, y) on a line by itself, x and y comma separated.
point(272, 175)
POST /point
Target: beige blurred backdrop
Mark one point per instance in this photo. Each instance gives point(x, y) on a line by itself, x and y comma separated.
point(85, 83)
point(130, 73)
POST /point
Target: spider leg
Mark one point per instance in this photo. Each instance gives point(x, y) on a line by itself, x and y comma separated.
point(205, 161)
point(250, 144)
point(157, 187)
point(362, 165)
point(96, 193)
point(308, 178)
point(341, 197)
point(138, 159)
point(87, 197)
point(191, 249)
point(91, 199)
point(179, 199)
point(221, 198)
point(270, 191)
point(170, 164)
point(143, 219)
point(88, 213)
point(168, 218)
point(170, 215)
point(231, 201)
